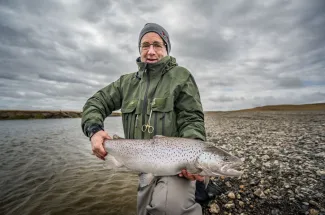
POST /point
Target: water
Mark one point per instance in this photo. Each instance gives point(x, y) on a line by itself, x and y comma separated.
point(46, 167)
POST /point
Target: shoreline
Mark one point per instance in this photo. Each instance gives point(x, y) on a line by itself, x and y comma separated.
point(40, 114)
point(48, 114)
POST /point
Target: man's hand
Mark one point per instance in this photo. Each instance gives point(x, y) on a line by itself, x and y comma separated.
point(190, 176)
point(97, 144)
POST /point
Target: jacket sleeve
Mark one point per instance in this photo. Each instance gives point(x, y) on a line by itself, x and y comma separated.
point(101, 105)
point(190, 116)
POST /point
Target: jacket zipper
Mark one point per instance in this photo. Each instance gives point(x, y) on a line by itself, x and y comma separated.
point(163, 124)
point(145, 101)
point(127, 126)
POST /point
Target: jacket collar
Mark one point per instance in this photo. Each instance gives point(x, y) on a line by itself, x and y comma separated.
point(162, 66)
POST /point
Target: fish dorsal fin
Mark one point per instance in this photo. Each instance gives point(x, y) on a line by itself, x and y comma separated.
point(115, 137)
point(209, 147)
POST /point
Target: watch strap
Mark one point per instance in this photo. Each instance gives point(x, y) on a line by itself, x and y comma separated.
point(93, 130)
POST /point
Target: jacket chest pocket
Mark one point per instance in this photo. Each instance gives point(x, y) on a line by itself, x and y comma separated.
point(130, 110)
point(163, 116)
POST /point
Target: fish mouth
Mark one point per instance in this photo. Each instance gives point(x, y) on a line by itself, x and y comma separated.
point(231, 169)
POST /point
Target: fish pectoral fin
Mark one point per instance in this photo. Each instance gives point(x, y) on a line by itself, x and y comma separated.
point(111, 161)
point(206, 181)
point(193, 170)
point(145, 179)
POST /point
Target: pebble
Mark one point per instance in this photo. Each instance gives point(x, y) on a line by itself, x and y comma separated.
point(214, 208)
point(231, 195)
point(265, 157)
point(314, 203)
point(241, 204)
point(275, 197)
point(313, 212)
point(275, 211)
point(229, 205)
point(259, 193)
point(267, 164)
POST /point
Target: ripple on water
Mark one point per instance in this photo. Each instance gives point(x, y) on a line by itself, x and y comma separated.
point(47, 168)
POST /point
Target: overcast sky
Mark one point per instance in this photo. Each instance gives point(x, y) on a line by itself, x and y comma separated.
point(56, 54)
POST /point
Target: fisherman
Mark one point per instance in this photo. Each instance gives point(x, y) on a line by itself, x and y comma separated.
point(161, 98)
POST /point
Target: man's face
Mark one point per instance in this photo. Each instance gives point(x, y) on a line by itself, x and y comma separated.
point(152, 48)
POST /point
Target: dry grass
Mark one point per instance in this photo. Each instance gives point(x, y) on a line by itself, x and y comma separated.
point(283, 107)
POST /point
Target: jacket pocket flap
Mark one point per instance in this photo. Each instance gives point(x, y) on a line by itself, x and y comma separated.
point(130, 106)
point(163, 104)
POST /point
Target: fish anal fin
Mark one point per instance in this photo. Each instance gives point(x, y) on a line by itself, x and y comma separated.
point(145, 179)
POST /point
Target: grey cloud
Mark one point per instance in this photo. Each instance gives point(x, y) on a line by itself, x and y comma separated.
point(94, 11)
point(225, 98)
point(289, 82)
point(208, 46)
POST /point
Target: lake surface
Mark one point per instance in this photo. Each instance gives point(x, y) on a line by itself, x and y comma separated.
point(46, 167)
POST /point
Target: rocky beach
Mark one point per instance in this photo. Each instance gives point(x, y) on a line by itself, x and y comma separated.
point(284, 162)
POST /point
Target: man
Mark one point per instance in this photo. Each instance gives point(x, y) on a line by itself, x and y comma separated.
point(163, 95)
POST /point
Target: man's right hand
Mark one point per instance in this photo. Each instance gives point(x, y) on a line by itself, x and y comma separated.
point(97, 144)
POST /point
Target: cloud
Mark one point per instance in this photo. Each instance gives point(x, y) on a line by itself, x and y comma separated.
point(55, 55)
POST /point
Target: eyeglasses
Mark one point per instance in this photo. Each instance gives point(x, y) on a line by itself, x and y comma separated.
point(156, 46)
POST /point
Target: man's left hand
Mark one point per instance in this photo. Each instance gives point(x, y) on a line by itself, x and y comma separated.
point(190, 176)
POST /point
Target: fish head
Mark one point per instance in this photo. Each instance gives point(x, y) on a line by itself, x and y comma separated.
point(215, 162)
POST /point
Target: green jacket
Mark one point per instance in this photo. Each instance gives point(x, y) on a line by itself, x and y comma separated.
point(166, 88)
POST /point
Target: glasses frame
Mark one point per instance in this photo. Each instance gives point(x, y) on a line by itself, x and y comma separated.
point(156, 48)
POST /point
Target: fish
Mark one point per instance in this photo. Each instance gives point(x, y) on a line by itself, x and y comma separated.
point(168, 156)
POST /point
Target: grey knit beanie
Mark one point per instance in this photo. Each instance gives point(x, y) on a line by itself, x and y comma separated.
point(153, 27)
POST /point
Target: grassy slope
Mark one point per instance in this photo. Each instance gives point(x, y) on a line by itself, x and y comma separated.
point(284, 107)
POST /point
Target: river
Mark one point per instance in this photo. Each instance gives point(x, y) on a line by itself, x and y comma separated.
point(46, 167)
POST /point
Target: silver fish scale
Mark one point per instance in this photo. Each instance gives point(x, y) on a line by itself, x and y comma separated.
point(159, 156)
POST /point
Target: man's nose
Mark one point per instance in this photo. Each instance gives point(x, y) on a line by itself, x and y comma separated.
point(151, 50)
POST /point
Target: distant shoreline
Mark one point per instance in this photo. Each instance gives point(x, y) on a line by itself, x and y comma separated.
point(42, 114)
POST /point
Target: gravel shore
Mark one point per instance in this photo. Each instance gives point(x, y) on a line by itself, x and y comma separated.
point(284, 162)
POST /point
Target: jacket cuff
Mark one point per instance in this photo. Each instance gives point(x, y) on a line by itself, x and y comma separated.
point(93, 129)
